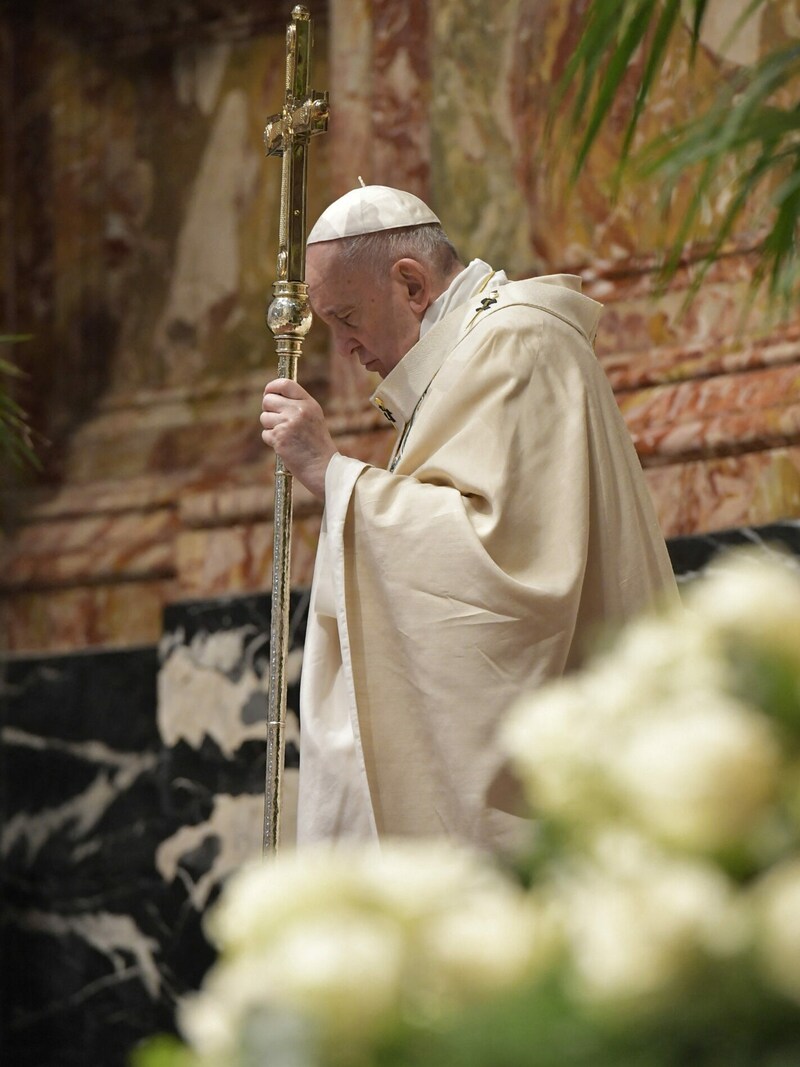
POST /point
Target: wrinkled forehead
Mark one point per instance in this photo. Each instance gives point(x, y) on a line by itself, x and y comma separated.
point(332, 283)
point(323, 270)
point(322, 261)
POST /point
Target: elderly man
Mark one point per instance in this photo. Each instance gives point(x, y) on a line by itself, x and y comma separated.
point(513, 521)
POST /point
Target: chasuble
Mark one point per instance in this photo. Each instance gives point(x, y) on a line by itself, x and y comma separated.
point(513, 523)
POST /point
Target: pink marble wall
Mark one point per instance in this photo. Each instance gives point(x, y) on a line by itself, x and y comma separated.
point(144, 223)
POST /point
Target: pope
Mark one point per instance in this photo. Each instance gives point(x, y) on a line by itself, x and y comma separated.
point(512, 523)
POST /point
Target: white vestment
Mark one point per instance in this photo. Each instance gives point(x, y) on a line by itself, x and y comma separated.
point(514, 520)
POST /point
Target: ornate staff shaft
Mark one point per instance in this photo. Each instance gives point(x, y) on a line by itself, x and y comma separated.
point(304, 114)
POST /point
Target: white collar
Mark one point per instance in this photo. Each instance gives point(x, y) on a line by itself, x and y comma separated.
point(401, 389)
point(471, 281)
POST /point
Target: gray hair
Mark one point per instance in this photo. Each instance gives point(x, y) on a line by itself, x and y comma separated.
point(377, 252)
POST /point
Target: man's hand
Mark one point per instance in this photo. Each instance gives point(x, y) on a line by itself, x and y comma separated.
point(293, 424)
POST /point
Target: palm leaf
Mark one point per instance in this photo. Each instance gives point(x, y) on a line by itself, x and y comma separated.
point(652, 66)
point(617, 65)
point(744, 132)
point(16, 435)
point(698, 14)
point(611, 33)
point(763, 140)
point(598, 33)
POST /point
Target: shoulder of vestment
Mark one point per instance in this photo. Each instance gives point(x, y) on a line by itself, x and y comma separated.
point(558, 295)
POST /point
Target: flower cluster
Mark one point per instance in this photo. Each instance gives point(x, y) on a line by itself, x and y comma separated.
point(661, 924)
point(666, 780)
point(360, 941)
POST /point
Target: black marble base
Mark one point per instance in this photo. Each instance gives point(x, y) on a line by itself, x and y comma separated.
point(132, 783)
point(690, 555)
point(87, 794)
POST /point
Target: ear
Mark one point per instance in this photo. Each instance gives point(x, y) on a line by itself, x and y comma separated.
point(415, 280)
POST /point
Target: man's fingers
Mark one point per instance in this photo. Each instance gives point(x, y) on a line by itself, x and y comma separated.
point(273, 402)
point(293, 425)
point(277, 402)
point(286, 387)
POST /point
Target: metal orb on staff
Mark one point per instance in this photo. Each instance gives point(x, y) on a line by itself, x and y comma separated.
point(304, 114)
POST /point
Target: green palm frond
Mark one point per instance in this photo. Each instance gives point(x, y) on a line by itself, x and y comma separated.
point(16, 435)
point(746, 126)
point(745, 131)
point(612, 35)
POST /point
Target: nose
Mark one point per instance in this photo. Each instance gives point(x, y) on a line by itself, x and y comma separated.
point(343, 341)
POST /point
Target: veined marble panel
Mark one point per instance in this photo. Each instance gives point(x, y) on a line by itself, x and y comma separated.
point(643, 324)
point(502, 185)
point(96, 563)
point(690, 555)
point(754, 488)
point(399, 96)
point(723, 414)
point(122, 614)
point(133, 785)
point(92, 548)
point(731, 354)
point(351, 62)
point(233, 559)
point(83, 918)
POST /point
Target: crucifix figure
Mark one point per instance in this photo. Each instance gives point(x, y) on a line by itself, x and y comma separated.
point(304, 114)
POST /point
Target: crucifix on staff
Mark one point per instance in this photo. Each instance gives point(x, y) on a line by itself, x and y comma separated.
point(289, 318)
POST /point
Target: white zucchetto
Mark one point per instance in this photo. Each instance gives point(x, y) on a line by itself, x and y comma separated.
point(368, 210)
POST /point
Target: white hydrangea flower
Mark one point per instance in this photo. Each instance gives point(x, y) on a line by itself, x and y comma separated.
point(296, 888)
point(698, 770)
point(754, 596)
point(554, 739)
point(659, 655)
point(208, 1024)
point(777, 903)
point(403, 879)
point(413, 879)
point(345, 970)
point(635, 919)
point(355, 937)
point(486, 944)
point(652, 658)
point(211, 1020)
point(647, 734)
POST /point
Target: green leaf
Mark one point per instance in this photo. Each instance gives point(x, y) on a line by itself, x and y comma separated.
point(742, 125)
point(653, 64)
point(16, 435)
point(611, 34)
point(10, 369)
point(697, 21)
point(162, 1051)
point(615, 71)
point(746, 136)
